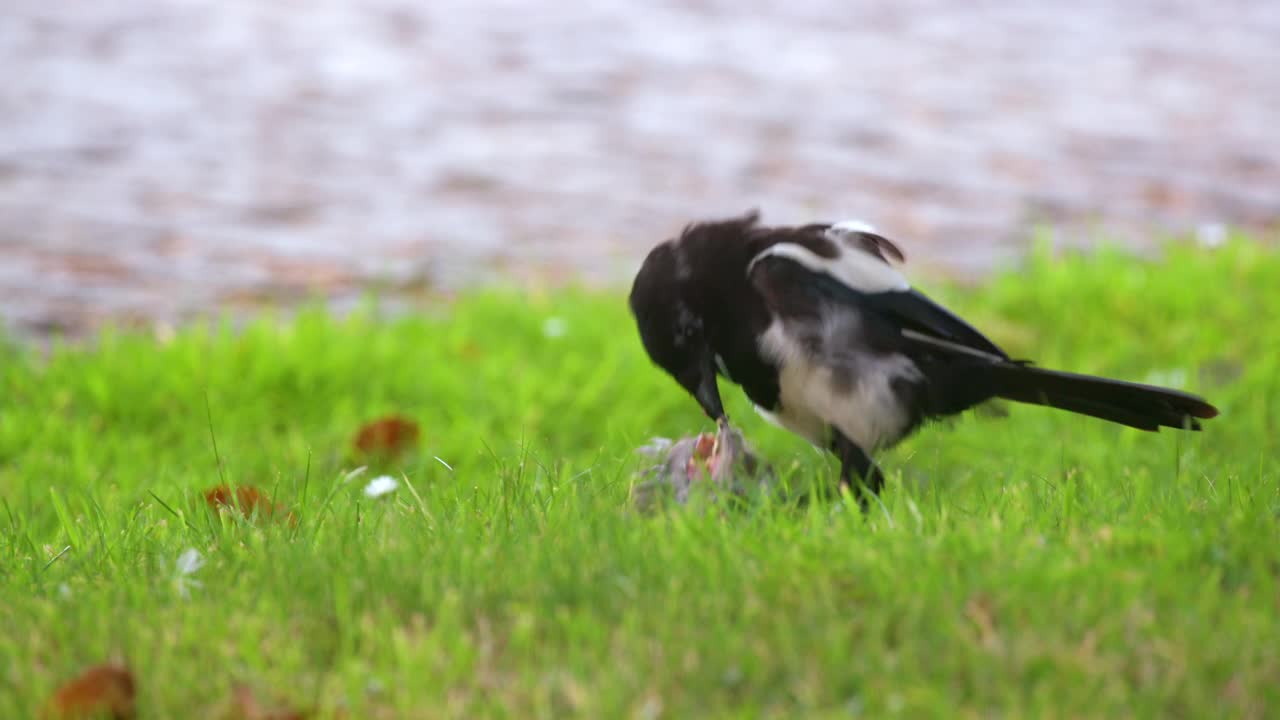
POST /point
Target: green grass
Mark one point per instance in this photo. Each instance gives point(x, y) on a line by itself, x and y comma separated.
point(1039, 565)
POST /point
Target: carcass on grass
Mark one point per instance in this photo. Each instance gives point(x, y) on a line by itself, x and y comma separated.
point(722, 462)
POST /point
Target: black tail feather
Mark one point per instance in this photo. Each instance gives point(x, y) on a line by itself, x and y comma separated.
point(1145, 407)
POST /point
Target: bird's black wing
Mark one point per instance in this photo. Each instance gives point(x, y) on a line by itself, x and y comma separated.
point(913, 310)
point(856, 273)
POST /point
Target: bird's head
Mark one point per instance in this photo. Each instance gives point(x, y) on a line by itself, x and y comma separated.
point(688, 291)
point(671, 327)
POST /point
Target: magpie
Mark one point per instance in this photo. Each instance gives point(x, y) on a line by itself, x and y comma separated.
point(828, 340)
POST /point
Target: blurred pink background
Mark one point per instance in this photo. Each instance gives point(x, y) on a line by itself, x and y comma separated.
point(159, 159)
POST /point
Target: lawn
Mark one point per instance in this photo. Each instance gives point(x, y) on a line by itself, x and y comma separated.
point(1034, 565)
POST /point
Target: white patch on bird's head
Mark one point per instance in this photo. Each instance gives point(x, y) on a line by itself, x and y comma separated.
point(856, 269)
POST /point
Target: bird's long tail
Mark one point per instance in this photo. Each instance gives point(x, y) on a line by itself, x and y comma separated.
point(1146, 407)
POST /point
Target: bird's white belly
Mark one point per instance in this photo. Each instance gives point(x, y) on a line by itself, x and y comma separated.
point(865, 407)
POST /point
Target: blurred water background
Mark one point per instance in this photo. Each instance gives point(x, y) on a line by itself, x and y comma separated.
point(160, 159)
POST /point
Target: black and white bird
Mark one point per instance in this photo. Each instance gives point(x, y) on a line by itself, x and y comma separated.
point(829, 340)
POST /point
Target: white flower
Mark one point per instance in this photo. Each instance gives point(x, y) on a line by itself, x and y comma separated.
point(381, 485)
point(188, 563)
point(555, 327)
point(1211, 234)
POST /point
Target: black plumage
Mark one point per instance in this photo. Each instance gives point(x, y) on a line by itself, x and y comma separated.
point(827, 338)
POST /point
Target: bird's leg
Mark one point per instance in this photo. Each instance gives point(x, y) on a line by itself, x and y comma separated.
point(857, 471)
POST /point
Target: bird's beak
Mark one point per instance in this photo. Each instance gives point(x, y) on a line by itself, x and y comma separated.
point(708, 392)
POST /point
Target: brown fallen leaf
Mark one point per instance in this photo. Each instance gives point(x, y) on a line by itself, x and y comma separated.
point(102, 691)
point(249, 500)
point(981, 612)
point(388, 436)
point(245, 706)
